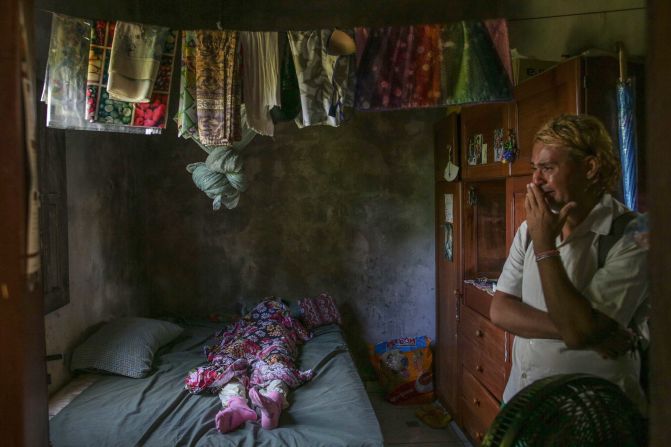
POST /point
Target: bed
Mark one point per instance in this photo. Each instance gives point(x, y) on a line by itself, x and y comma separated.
point(332, 409)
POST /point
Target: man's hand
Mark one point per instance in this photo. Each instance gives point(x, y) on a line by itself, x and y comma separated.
point(544, 225)
point(614, 340)
point(618, 343)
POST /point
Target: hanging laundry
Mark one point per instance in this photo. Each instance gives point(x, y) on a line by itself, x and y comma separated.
point(473, 69)
point(187, 117)
point(218, 90)
point(432, 65)
point(64, 89)
point(104, 109)
point(400, 68)
point(135, 58)
point(325, 80)
point(290, 94)
point(260, 78)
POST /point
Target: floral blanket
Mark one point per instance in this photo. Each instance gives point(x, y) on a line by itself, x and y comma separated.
point(260, 347)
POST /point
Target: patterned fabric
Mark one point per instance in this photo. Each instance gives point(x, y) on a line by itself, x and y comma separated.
point(101, 108)
point(260, 74)
point(187, 117)
point(265, 341)
point(134, 60)
point(218, 90)
point(319, 311)
point(65, 80)
point(125, 346)
point(431, 65)
point(400, 68)
point(325, 81)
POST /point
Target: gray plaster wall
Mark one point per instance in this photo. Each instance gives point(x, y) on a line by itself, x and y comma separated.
point(106, 243)
point(348, 211)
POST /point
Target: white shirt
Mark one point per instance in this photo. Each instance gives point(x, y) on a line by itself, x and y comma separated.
point(619, 289)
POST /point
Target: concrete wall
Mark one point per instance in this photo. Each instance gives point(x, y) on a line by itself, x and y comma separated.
point(105, 241)
point(347, 210)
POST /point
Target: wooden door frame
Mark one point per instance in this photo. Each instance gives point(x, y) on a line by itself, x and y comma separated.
point(23, 377)
point(658, 112)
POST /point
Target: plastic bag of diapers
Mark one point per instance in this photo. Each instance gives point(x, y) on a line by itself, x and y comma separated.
point(403, 366)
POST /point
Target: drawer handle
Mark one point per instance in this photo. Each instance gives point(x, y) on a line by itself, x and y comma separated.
point(479, 333)
point(479, 368)
point(476, 402)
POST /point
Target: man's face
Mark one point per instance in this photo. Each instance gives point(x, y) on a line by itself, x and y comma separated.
point(561, 179)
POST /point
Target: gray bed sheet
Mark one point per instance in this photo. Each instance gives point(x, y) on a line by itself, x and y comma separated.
point(332, 409)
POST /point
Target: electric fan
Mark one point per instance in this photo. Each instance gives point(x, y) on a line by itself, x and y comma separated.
point(568, 410)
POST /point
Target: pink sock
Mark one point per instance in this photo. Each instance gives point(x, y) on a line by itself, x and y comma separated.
point(270, 405)
point(234, 415)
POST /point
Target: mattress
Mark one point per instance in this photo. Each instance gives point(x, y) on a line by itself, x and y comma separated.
point(332, 409)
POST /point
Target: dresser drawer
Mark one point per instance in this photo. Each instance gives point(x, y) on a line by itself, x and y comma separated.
point(489, 371)
point(477, 299)
point(478, 407)
point(480, 332)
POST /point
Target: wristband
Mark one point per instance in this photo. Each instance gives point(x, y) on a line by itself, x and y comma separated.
point(547, 254)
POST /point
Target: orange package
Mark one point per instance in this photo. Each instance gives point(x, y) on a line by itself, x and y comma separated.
point(403, 366)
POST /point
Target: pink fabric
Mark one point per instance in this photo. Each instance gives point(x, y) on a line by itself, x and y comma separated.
point(319, 311)
point(234, 415)
point(270, 406)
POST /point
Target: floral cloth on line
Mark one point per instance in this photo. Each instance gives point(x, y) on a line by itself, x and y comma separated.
point(100, 108)
point(432, 65)
point(400, 67)
point(260, 347)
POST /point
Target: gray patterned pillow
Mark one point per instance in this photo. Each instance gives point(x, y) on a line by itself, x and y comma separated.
point(125, 346)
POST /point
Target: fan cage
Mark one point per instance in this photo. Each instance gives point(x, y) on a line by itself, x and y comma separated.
point(568, 410)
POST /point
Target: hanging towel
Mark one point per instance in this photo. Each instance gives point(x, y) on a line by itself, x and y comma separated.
point(134, 61)
point(325, 80)
point(260, 78)
point(65, 81)
point(218, 91)
point(100, 108)
point(400, 68)
point(187, 117)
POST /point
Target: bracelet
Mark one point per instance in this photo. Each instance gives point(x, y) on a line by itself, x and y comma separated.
point(547, 254)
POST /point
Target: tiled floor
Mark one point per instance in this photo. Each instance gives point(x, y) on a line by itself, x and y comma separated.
point(400, 426)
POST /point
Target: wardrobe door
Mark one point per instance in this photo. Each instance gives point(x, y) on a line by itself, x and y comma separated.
point(448, 292)
point(551, 93)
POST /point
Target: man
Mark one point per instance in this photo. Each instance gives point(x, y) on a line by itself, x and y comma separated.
point(569, 314)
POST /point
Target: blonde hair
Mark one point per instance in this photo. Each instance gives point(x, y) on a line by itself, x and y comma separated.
point(583, 136)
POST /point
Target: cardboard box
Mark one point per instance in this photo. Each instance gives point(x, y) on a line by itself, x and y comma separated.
point(525, 68)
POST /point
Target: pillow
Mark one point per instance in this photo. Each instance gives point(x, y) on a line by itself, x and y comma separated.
point(319, 311)
point(125, 346)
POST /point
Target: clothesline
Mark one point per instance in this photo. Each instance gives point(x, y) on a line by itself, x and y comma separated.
point(115, 76)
